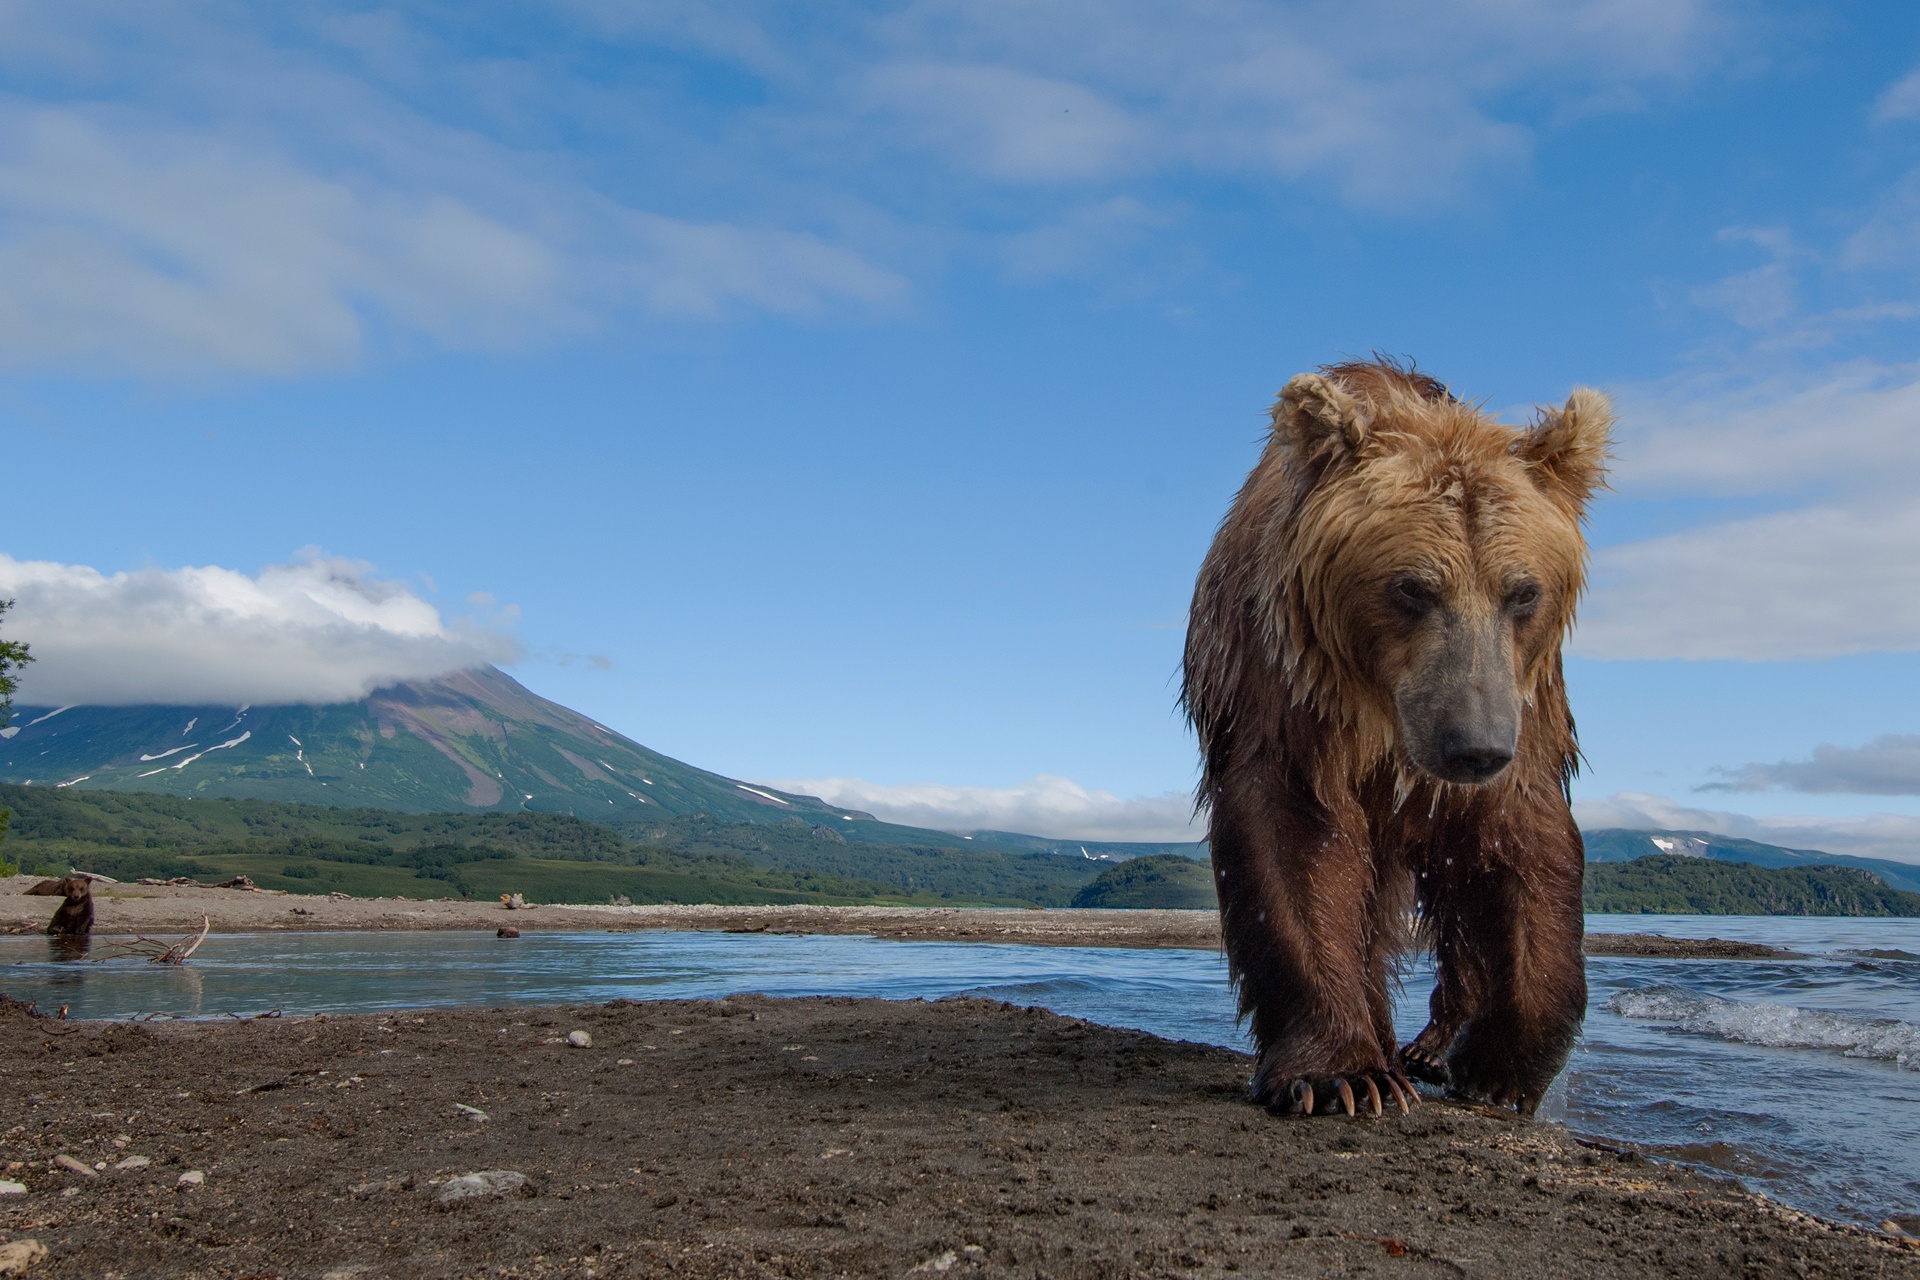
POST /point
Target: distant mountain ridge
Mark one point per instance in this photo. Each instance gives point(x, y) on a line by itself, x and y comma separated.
point(471, 742)
point(1616, 844)
point(479, 742)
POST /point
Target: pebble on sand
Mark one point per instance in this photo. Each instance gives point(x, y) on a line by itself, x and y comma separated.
point(72, 1165)
point(10, 1188)
point(579, 1039)
point(191, 1178)
point(133, 1162)
point(485, 1184)
point(18, 1255)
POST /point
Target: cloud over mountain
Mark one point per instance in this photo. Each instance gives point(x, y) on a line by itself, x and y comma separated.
point(1887, 766)
point(316, 630)
point(1044, 805)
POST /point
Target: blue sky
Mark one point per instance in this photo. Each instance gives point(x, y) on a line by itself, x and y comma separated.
point(848, 396)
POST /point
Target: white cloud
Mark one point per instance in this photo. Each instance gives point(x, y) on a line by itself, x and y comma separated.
point(1389, 104)
point(1812, 583)
point(160, 251)
point(1850, 426)
point(1887, 766)
point(702, 270)
point(316, 630)
point(1882, 835)
point(1833, 569)
point(1057, 808)
point(1900, 101)
point(1010, 124)
point(218, 192)
point(216, 195)
point(1085, 239)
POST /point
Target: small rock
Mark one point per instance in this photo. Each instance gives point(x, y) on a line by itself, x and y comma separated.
point(623, 1062)
point(70, 1191)
point(471, 1113)
point(133, 1162)
point(360, 1191)
point(973, 1252)
point(71, 1165)
point(10, 1188)
point(942, 1263)
point(484, 1185)
point(17, 1256)
point(1891, 1227)
point(579, 1039)
point(191, 1178)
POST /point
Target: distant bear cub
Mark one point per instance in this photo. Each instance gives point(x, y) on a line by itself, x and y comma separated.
point(1373, 670)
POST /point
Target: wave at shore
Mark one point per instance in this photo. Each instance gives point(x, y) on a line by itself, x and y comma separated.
point(1777, 1026)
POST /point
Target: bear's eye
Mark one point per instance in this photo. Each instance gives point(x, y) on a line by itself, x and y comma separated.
point(1412, 596)
point(1523, 600)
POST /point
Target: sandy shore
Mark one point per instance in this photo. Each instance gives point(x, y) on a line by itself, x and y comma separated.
point(818, 1137)
point(157, 910)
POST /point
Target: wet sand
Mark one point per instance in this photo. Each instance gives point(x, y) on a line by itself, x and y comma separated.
point(815, 1137)
point(171, 910)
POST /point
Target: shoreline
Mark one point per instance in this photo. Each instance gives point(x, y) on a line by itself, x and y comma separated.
point(806, 1137)
point(147, 910)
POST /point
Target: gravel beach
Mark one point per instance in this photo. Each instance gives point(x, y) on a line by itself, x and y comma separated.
point(812, 1137)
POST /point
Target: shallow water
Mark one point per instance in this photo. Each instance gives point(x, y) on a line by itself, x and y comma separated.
point(1800, 1076)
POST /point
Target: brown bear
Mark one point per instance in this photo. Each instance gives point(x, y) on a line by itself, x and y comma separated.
point(1373, 671)
point(72, 922)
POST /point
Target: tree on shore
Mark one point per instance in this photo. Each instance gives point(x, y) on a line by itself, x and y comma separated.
point(13, 656)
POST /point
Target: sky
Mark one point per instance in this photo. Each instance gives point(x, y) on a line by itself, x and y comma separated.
point(845, 397)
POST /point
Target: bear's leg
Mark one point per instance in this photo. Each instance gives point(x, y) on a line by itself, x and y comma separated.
point(1513, 986)
point(1297, 914)
point(1425, 1056)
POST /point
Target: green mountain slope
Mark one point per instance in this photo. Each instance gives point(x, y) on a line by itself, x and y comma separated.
point(548, 857)
point(474, 740)
point(1677, 884)
point(1615, 844)
point(1158, 880)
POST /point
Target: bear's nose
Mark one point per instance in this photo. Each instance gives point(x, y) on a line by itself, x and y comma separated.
point(1467, 756)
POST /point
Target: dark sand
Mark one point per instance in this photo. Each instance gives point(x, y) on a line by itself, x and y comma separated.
point(819, 1137)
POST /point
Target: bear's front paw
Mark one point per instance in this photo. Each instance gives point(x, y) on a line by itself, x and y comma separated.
point(1327, 1095)
point(1422, 1063)
point(1507, 1077)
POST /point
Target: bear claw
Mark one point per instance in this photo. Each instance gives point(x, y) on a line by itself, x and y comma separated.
point(1335, 1094)
point(1422, 1065)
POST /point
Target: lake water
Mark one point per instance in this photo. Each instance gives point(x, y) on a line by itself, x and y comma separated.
point(1801, 1076)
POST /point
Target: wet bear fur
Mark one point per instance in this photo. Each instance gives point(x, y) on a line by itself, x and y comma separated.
point(1373, 671)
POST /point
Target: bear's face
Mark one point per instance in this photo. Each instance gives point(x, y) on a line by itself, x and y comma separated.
point(1438, 557)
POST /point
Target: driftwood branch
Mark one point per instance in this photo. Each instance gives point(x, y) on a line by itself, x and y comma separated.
point(175, 954)
point(159, 951)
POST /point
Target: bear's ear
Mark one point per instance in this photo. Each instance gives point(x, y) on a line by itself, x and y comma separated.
point(1319, 417)
point(1567, 447)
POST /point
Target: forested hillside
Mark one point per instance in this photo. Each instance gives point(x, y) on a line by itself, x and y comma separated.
point(1680, 885)
point(547, 857)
